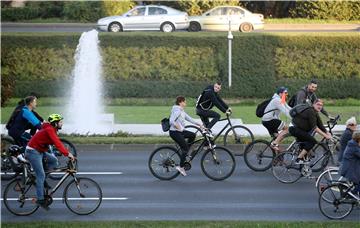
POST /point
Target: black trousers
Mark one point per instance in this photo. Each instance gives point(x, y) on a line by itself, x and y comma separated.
point(180, 138)
point(206, 114)
point(303, 136)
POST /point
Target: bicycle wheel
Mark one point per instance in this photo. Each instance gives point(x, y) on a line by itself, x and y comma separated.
point(334, 202)
point(162, 163)
point(237, 138)
point(258, 155)
point(6, 170)
point(284, 168)
point(321, 158)
point(61, 158)
point(326, 178)
point(20, 199)
point(218, 163)
point(83, 196)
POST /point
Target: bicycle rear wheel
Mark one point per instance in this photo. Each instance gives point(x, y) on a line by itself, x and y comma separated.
point(20, 199)
point(62, 160)
point(258, 155)
point(162, 163)
point(284, 168)
point(333, 202)
point(237, 138)
point(6, 170)
point(327, 178)
point(83, 196)
point(218, 163)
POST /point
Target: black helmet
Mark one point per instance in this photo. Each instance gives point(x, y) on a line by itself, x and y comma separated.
point(14, 150)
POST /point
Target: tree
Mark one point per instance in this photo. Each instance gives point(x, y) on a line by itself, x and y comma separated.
point(197, 7)
point(117, 7)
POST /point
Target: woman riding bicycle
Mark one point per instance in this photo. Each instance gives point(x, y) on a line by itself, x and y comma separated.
point(177, 132)
point(37, 150)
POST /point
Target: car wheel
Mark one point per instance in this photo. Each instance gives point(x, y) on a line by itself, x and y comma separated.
point(194, 26)
point(115, 27)
point(167, 27)
point(246, 27)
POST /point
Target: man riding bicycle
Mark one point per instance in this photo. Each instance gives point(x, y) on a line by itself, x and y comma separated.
point(206, 101)
point(37, 150)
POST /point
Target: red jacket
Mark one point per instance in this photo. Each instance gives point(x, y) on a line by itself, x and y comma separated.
point(45, 137)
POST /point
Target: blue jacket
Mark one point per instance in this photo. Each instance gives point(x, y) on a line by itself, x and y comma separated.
point(350, 167)
point(22, 121)
point(345, 138)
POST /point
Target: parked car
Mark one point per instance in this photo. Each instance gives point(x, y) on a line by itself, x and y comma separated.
point(150, 17)
point(217, 19)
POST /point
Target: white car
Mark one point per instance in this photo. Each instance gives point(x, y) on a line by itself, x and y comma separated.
point(150, 17)
point(217, 19)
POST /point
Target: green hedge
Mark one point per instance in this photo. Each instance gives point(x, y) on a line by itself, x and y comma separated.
point(165, 65)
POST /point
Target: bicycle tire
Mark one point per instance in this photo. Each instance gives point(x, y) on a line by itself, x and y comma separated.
point(258, 155)
point(326, 178)
point(6, 170)
point(237, 138)
point(284, 163)
point(12, 198)
point(163, 160)
point(62, 159)
point(338, 203)
point(223, 157)
point(320, 150)
point(93, 193)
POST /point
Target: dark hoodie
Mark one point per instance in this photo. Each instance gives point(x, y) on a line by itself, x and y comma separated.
point(209, 98)
point(350, 167)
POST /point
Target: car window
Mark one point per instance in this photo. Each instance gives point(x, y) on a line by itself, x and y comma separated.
point(217, 12)
point(138, 12)
point(234, 11)
point(156, 11)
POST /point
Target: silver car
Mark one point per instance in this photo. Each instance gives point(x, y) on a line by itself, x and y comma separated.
point(150, 17)
point(217, 19)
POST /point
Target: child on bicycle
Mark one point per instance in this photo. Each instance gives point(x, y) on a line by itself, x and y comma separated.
point(36, 151)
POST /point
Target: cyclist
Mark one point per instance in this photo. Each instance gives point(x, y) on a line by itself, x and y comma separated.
point(177, 130)
point(271, 118)
point(36, 151)
point(206, 101)
point(350, 167)
point(23, 120)
point(307, 95)
point(346, 136)
point(306, 123)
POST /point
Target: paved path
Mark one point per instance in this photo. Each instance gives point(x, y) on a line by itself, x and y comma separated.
point(137, 195)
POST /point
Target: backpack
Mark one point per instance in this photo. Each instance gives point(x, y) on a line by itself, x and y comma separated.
point(260, 109)
point(13, 116)
point(298, 109)
point(165, 124)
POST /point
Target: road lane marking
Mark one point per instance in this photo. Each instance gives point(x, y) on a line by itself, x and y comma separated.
point(90, 198)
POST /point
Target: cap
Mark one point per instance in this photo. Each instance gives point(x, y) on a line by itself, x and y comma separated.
point(351, 121)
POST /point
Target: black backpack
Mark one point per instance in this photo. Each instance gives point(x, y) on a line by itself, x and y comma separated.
point(165, 124)
point(13, 116)
point(292, 101)
point(260, 109)
point(298, 109)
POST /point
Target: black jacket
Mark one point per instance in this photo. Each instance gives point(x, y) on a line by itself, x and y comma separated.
point(209, 98)
point(308, 120)
point(304, 96)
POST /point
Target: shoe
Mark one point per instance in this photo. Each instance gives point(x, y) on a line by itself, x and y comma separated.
point(275, 147)
point(208, 133)
point(181, 170)
point(43, 204)
point(300, 161)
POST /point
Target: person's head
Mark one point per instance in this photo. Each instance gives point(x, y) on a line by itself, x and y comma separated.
point(356, 136)
point(318, 105)
point(180, 100)
point(56, 120)
point(217, 86)
point(281, 91)
point(31, 102)
point(312, 86)
point(351, 123)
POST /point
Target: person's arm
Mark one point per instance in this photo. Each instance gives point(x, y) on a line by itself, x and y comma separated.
point(319, 123)
point(29, 116)
point(216, 101)
point(320, 129)
point(191, 120)
point(282, 107)
point(301, 97)
point(56, 141)
point(38, 116)
point(173, 117)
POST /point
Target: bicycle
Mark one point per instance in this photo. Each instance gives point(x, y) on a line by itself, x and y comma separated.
point(6, 169)
point(337, 200)
point(79, 194)
point(236, 136)
point(217, 162)
point(328, 177)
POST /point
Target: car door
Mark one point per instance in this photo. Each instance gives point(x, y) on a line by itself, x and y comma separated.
point(156, 15)
point(135, 19)
point(236, 17)
point(215, 19)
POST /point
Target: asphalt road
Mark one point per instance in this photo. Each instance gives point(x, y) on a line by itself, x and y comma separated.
point(137, 195)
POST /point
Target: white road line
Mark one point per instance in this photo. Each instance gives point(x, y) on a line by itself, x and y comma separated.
point(90, 198)
point(82, 173)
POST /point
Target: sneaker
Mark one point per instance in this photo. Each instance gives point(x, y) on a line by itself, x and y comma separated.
point(275, 147)
point(181, 170)
point(208, 133)
point(300, 161)
point(43, 204)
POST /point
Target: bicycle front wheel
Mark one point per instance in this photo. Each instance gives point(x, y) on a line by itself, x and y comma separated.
point(62, 160)
point(83, 196)
point(218, 163)
point(162, 163)
point(237, 138)
point(284, 168)
point(20, 199)
point(258, 155)
point(334, 203)
point(6, 170)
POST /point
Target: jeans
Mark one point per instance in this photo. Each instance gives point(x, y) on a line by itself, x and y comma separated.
point(179, 138)
point(36, 160)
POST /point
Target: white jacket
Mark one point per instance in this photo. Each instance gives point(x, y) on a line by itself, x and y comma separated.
point(178, 116)
point(275, 103)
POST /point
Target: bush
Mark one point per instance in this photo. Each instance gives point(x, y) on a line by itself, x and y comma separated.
point(83, 11)
point(19, 14)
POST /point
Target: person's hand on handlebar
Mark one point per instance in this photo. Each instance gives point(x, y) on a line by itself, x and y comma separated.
point(71, 157)
point(328, 135)
point(228, 111)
